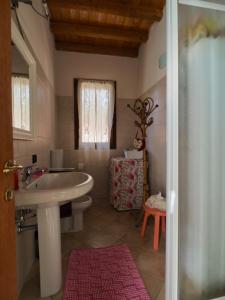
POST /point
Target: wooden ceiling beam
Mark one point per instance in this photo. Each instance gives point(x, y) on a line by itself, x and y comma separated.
point(109, 7)
point(103, 32)
point(96, 49)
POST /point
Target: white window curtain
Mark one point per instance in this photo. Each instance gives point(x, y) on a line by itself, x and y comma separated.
point(21, 102)
point(96, 101)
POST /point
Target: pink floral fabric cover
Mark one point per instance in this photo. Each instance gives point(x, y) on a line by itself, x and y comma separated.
point(126, 190)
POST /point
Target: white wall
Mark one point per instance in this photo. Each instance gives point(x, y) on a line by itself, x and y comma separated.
point(156, 139)
point(96, 163)
point(149, 72)
point(40, 41)
point(39, 36)
point(79, 65)
point(135, 77)
point(19, 65)
point(152, 83)
point(71, 65)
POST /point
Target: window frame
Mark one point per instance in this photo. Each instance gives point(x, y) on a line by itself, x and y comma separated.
point(17, 39)
point(113, 137)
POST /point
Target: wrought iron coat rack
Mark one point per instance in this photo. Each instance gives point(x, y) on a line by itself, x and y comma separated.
point(143, 109)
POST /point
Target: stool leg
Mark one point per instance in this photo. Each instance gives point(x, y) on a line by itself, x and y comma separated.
point(163, 224)
point(156, 233)
point(143, 227)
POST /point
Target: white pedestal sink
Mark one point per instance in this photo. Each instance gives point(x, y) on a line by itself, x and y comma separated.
point(46, 194)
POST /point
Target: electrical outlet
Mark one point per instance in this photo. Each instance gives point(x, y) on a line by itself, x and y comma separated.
point(34, 158)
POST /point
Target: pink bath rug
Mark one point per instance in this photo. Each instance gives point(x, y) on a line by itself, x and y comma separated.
point(104, 274)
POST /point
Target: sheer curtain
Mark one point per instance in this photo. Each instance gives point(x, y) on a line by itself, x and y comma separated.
point(96, 100)
point(21, 102)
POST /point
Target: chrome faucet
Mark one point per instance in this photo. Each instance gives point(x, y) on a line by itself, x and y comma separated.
point(27, 173)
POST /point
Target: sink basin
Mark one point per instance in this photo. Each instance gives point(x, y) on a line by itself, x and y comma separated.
point(46, 194)
point(52, 188)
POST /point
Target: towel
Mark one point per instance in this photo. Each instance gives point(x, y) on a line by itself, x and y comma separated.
point(156, 201)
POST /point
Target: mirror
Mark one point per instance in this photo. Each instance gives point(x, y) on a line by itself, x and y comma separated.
point(20, 91)
point(23, 75)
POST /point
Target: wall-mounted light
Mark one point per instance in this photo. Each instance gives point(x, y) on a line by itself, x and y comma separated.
point(15, 4)
point(45, 7)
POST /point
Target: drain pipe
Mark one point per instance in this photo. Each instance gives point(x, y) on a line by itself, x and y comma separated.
point(21, 216)
point(20, 227)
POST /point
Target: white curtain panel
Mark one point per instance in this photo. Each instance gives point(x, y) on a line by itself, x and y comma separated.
point(96, 101)
point(21, 102)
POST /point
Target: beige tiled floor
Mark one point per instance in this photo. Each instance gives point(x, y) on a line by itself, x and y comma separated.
point(103, 227)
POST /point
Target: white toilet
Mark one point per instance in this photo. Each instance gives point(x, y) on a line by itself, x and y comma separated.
point(78, 207)
point(72, 223)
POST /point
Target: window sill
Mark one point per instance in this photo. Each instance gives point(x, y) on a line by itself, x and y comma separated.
point(19, 134)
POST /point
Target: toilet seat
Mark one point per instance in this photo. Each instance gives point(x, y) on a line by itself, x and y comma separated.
point(82, 203)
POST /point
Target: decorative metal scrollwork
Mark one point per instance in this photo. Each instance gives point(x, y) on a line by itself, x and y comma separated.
point(143, 109)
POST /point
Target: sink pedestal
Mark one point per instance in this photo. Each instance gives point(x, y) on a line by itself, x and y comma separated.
point(49, 237)
point(45, 194)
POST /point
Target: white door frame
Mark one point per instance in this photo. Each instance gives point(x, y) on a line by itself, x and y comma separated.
point(172, 152)
point(172, 254)
point(203, 4)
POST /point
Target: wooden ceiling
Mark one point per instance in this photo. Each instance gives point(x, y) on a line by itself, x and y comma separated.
point(110, 27)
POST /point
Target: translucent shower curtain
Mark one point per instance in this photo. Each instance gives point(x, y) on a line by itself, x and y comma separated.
point(202, 164)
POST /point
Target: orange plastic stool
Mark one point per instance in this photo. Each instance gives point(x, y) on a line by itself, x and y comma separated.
point(157, 215)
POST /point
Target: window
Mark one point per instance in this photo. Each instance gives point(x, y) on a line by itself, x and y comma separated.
point(96, 113)
point(21, 102)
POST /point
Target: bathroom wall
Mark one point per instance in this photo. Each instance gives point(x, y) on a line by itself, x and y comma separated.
point(39, 36)
point(96, 161)
point(156, 138)
point(152, 83)
point(41, 145)
point(78, 65)
point(149, 72)
point(19, 65)
point(71, 65)
point(40, 42)
point(135, 78)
